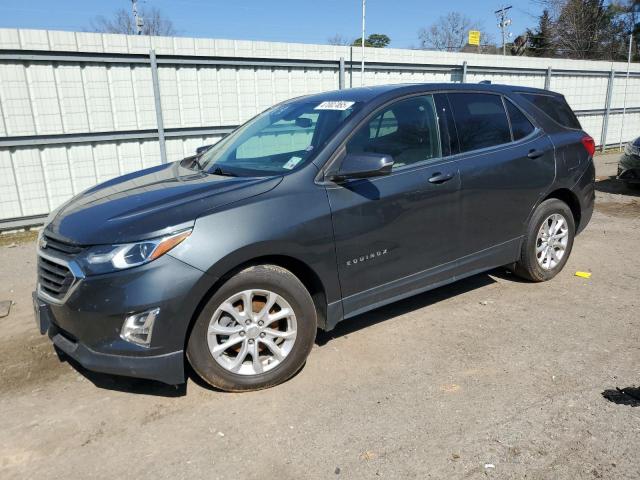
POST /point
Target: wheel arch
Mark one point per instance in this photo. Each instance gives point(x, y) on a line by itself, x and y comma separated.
point(309, 278)
point(564, 195)
point(571, 199)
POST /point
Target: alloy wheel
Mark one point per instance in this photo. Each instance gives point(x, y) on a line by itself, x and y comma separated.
point(252, 332)
point(552, 241)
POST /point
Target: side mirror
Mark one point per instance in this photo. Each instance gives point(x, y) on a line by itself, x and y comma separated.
point(363, 165)
point(202, 149)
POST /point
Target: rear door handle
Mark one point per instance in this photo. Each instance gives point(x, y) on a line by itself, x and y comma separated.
point(439, 178)
point(535, 153)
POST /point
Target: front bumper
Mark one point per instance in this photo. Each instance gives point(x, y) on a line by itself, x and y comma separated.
point(87, 325)
point(629, 168)
point(167, 368)
point(629, 175)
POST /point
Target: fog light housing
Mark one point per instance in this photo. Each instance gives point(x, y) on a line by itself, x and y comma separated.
point(138, 327)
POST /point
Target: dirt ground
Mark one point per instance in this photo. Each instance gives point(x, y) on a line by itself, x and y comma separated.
point(489, 377)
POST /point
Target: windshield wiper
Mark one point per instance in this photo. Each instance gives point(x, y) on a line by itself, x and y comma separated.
point(225, 173)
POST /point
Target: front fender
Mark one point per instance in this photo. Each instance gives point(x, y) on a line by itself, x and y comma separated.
point(292, 220)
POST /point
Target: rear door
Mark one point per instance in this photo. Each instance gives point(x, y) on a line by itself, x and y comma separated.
point(571, 156)
point(397, 233)
point(506, 164)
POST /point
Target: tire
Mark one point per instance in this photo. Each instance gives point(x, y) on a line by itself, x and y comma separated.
point(224, 319)
point(529, 265)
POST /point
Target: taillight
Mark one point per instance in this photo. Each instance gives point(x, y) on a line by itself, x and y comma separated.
point(589, 145)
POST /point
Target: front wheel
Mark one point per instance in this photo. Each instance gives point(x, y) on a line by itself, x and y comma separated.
point(255, 332)
point(548, 241)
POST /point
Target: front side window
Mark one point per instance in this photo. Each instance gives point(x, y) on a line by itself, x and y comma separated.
point(481, 120)
point(406, 130)
point(282, 139)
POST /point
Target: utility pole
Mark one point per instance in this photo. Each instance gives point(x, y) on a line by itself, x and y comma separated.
point(364, 6)
point(503, 23)
point(137, 19)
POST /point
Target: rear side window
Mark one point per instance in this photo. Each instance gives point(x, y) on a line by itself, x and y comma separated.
point(556, 107)
point(481, 120)
point(520, 125)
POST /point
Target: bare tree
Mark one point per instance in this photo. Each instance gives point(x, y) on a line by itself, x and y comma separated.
point(450, 33)
point(338, 39)
point(122, 21)
point(589, 29)
point(581, 26)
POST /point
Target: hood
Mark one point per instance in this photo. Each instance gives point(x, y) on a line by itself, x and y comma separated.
point(148, 203)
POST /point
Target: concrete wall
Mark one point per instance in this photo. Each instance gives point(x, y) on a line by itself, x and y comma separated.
point(79, 108)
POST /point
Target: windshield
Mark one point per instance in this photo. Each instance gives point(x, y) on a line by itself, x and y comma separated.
point(277, 141)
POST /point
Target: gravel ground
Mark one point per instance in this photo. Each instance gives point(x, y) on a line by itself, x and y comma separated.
point(489, 377)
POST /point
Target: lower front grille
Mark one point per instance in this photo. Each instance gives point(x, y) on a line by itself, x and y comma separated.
point(55, 278)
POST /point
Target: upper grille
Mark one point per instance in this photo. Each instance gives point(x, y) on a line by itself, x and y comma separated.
point(54, 278)
point(63, 247)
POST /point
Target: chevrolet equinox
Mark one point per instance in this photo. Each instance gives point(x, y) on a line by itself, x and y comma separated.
point(318, 209)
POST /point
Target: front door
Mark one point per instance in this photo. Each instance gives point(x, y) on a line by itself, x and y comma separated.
point(397, 234)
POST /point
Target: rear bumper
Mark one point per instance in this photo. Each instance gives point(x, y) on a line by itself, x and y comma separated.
point(586, 193)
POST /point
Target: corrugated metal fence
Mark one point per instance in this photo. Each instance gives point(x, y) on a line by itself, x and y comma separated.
point(80, 108)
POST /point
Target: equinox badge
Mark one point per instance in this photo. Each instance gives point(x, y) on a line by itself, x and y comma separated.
point(368, 256)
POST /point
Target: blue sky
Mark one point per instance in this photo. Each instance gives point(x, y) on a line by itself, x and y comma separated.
point(273, 20)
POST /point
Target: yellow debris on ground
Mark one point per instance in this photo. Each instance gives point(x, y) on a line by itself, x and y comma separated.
point(583, 274)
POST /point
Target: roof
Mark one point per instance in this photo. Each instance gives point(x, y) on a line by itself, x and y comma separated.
point(365, 94)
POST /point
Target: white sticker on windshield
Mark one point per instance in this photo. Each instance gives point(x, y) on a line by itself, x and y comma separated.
point(293, 161)
point(334, 105)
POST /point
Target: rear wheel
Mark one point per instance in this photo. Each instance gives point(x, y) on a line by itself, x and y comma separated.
point(255, 332)
point(548, 241)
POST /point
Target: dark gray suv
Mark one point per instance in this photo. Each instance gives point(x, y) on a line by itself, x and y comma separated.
point(317, 210)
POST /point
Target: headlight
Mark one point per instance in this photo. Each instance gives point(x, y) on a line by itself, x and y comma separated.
point(107, 258)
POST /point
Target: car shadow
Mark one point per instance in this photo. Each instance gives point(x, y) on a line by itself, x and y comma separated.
point(154, 388)
point(613, 185)
point(410, 304)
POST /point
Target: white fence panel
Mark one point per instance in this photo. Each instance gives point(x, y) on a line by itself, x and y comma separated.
point(79, 108)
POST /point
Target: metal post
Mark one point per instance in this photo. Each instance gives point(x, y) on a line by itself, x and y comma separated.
point(341, 74)
point(547, 79)
point(156, 98)
point(364, 6)
point(626, 84)
point(605, 121)
point(351, 67)
point(464, 72)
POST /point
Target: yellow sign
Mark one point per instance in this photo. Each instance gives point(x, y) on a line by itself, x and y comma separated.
point(474, 37)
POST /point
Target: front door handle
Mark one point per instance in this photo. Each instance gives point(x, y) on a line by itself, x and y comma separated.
point(439, 178)
point(533, 153)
